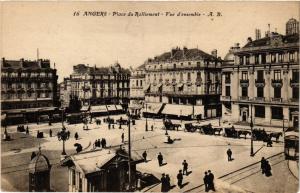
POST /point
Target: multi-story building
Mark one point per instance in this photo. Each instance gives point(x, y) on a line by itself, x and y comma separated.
point(137, 94)
point(28, 90)
point(264, 80)
point(183, 83)
point(100, 86)
point(65, 92)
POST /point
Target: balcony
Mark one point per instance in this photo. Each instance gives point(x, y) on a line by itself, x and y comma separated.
point(226, 98)
point(188, 82)
point(198, 82)
point(294, 82)
point(294, 100)
point(261, 99)
point(278, 100)
point(244, 83)
point(259, 82)
point(277, 82)
point(244, 98)
point(227, 81)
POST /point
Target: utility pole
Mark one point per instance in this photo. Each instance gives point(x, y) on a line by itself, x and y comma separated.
point(146, 126)
point(251, 126)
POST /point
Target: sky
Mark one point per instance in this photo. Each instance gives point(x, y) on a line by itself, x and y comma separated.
point(67, 40)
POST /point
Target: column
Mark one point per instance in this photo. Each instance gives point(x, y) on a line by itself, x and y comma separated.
point(285, 85)
point(268, 114)
point(277, 58)
point(259, 58)
point(234, 85)
point(251, 85)
point(268, 58)
point(244, 60)
point(286, 114)
point(267, 88)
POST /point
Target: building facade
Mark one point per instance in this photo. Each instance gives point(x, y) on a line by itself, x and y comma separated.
point(65, 92)
point(28, 90)
point(96, 86)
point(185, 82)
point(264, 80)
point(137, 94)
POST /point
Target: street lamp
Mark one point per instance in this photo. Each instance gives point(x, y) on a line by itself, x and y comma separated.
point(129, 150)
point(63, 135)
point(251, 127)
point(146, 126)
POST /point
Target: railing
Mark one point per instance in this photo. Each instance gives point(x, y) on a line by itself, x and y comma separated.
point(244, 98)
point(277, 82)
point(226, 98)
point(276, 100)
point(244, 83)
point(294, 100)
point(227, 80)
point(259, 82)
point(259, 98)
point(294, 82)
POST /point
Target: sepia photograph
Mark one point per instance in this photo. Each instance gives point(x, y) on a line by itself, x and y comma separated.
point(151, 96)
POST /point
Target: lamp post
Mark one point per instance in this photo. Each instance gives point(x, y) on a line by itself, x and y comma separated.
point(283, 128)
point(251, 127)
point(63, 135)
point(129, 151)
point(146, 126)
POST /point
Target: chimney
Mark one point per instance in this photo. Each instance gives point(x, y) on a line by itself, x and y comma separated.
point(214, 53)
point(249, 39)
point(257, 34)
point(173, 51)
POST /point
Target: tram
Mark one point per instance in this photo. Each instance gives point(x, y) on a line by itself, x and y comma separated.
point(291, 145)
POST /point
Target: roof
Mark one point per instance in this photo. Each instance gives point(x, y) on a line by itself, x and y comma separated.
point(294, 38)
point(182, 54)
point(116, 68)
point(39, 163)
point(95, 160)
point(25, 64)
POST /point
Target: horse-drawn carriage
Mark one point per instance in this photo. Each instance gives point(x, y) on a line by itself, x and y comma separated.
point(109, 120)
point(189, 127)
point(260, 135)
point(122, 121)
point(170, 126)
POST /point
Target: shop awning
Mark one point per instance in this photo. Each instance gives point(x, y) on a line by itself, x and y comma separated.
point(111, 107)
point(98, 109)
point(180, 110)
point(147, 87)
point(119, 107)
point(199, 110)
point(152, 108)
point(84, 108)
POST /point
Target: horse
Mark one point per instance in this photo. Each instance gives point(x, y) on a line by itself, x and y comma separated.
point(276, 135)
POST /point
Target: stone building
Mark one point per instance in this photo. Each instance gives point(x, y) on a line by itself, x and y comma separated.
point(183, 83)
point(137, 94)
point(65, 92)
point(265, 74)
point(100, 86)
point(28, 90)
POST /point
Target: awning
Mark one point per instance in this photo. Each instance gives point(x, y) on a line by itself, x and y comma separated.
point(153, 108)
point(199, 110)
point(147, 87)
point(111, 107)
point(291, 134)
point(180, 110)
point(180, 85)
point(96, 109)
point(84, 108)
point(119, 107)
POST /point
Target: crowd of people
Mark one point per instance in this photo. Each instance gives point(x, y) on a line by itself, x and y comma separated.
point(100, 143)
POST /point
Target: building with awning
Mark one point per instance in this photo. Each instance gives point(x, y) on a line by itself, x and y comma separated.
point(98, 110)
point(187, 77)
point(183, 111)
point(104, 170)
point(152, 109)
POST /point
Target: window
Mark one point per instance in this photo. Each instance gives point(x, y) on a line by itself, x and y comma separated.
point(141, 82)
point(260, 91)
point(181, 64)
point(73, 177)
point(241, 60)
point(247, 60)
point(198, 64)
point(277, 112)
point(273, 58)
point(291, 57)
point(295, 75)
point(277, 92)
point(227, 91)
point(137, 83)
point(29, 94)
point(295, 93)
point(188, 76)
point(198, 76)
point(174, 66)
point(244, 91)
point(189, 63)
point(260, 75)
point(181, 76)
point(80, 184)
point(227, 78)
point(263, 58)
point(277, 74)
point(280, 57)
point(244, 75)
point(259, 111)
point(256, 59)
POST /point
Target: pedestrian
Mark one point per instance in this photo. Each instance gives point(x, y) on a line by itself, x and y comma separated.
point(76, 136)
point(68, 134)
point(108, 125)
point(179, 179)
point(263, 165)
point(160, 159)
point(168, 183)
point(205, 179)
point(27, 130)
point(152, 127)
point(33, 155)
point(211, 185)
point(50, 133)
point(229, 154)
point(122, 136)
point(269, 142)
point(185, 167)
point(267, 169)
point(163, 183)
point(145, 156)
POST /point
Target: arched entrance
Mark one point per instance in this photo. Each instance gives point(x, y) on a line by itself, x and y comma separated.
point(244, 114)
